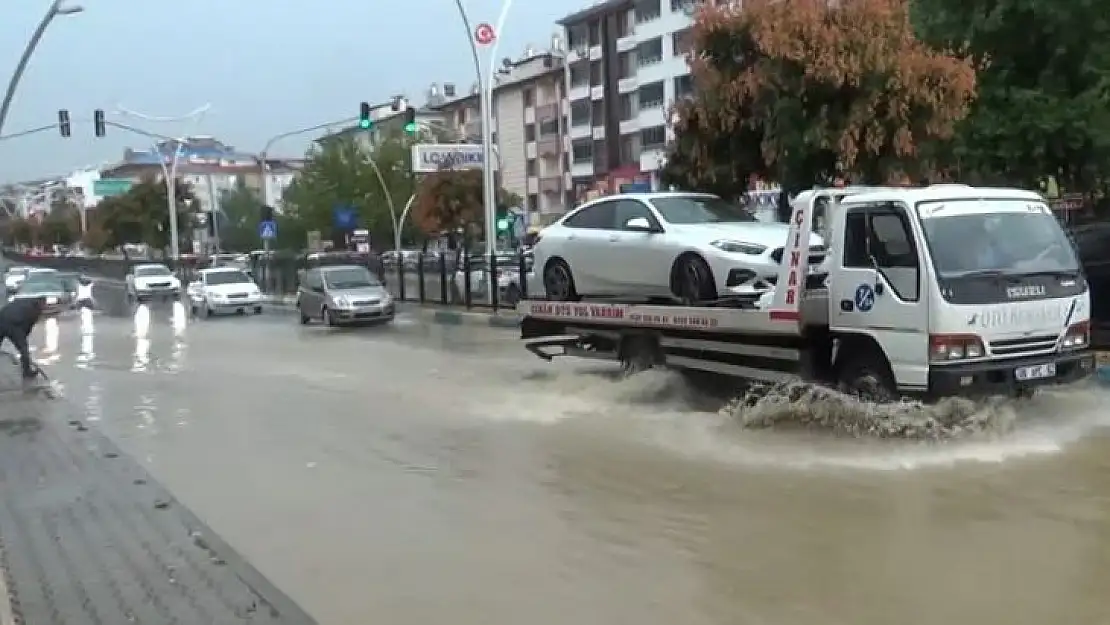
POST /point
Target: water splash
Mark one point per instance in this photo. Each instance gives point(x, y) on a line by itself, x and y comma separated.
point(87, 326)
point(141, 362)
point(142, 321)
point(180, 319)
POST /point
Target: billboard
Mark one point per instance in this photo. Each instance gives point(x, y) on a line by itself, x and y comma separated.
point(430, 157)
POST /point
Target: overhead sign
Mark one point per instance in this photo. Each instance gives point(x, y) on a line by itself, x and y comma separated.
point(431, 157)
point(484, 34)
point(267, 229)
point(107, 187)
point(344, 217)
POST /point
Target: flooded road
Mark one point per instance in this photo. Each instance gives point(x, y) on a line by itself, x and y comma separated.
point(435, 474)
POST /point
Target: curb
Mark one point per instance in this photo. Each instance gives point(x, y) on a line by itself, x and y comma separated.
point(470, 318)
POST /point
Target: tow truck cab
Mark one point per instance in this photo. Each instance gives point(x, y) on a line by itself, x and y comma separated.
point(936, 291)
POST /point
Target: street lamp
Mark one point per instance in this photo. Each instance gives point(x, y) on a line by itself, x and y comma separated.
point(56, 9)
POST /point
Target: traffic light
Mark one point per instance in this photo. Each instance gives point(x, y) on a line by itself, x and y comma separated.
point(502, 225)
point(364, 116)
point(63, 123)
point(410, 120)
point(98, 122)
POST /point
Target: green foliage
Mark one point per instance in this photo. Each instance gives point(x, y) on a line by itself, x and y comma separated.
point(1044, 90)
point(341, 172)
point(141, 215)
point(450, 200)
point(237, 220)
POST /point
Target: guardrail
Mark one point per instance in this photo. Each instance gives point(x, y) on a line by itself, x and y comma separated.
point(458, 278)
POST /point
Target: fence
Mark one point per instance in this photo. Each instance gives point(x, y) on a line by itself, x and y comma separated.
point(457, 278)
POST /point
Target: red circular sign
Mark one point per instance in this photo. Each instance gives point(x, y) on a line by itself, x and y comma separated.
point(484, 34)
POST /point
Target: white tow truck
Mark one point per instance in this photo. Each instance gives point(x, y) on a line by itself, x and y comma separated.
point(946, 290)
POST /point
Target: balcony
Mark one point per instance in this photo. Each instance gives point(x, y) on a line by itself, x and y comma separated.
point(579, 92)
point(548, 146)
point(547, 111)
point(629, 126)
point(551, 184)
point(578, 54)
point(530, 150)
point(533, 185)
point(598, 133)
point(627, 42)
point(653, 158)
point(581, 169)
point(595, 53)
point(628, 85)
point(597, 92)
point(580, 132)
point(651, 117)
point(529, 115)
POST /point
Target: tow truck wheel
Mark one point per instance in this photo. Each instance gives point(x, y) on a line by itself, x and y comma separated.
point(692, 280)
point(558, 282)
point(638, 353)
point(867, 377)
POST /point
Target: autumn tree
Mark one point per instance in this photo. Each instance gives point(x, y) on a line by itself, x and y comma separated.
point(806, 91)
point(141, 215)
point(1044, 91)
point(451, 200)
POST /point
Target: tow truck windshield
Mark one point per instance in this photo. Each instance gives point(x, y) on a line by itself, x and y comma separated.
point(999, 250)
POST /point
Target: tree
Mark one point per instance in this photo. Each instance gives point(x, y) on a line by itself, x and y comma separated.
point(141, 215)
point(340, 172)
point(1044, 91)
point(22, 231)
point(451, 200)
point(805, 91)
point(237, 219)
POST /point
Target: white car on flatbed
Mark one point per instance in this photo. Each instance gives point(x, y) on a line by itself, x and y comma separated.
point(688, 247)
point(935, 291)
point(223, 290)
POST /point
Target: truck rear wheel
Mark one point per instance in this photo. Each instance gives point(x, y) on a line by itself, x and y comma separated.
point(867, 376)
point(638, 353)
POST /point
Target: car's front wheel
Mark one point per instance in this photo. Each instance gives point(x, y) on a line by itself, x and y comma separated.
point(692, 280)
point(558, 282)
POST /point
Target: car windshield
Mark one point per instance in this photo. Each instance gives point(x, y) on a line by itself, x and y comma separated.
point(353, 278)
point(37, 287)
point(1011, 237)
point(699, 209)
point(153, 270)
point(226, 277)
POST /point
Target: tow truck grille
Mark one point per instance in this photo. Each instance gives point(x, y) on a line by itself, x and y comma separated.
point(159, 285)
point(1013, 347)
point(816, 254)
point(237, 295)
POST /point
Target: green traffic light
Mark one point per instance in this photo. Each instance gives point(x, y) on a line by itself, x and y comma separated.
point(410, 128)
point(364, 123)
point(502, 224)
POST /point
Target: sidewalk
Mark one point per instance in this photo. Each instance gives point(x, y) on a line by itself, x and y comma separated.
point(88, 537)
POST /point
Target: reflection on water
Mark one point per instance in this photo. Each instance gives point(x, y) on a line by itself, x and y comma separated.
point(86, 355)
point(141, 362)
point(50, 353)
point(146, 410)
point(93, 408)
point(180, 319)
point(142, 321)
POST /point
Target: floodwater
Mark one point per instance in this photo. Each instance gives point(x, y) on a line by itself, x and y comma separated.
point(423, 474)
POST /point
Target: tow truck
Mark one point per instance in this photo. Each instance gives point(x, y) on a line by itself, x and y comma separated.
point(928, 292)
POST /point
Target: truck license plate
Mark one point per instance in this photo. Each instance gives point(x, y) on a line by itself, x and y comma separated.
point(1035, 372)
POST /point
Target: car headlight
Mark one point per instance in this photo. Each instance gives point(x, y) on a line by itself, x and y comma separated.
point(342, 301)
point(50, 301)
point(739, 247)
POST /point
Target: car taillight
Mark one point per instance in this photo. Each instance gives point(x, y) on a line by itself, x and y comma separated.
point(949, 347)
point(1077, 336)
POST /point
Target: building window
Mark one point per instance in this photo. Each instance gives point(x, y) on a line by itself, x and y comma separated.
point(529, 97)
point(683, 86)
point(534, 202)
point(628, 107)
point(630, 150)
point(493, 137)
point(651, 96)
point(651, 138)
point(684, 5)
point(579, 75)
point(683, 42)
point(595, 33)
point(549, 127)
point(529, 132)
point(530, 167)
point(647, 10)
point(580, 113)
point(595, 73)
point(624, 25)
point(576, 37)
point(649, 52)
point(582, 151)
point(598, 115)
point(626, 65)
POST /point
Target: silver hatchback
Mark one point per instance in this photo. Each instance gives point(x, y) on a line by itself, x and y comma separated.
point(343, 294)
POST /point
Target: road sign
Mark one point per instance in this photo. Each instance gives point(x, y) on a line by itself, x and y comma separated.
point(484, 34)
point(429, 158)
point(344, 218)
point(107, 187)
point(267, 229)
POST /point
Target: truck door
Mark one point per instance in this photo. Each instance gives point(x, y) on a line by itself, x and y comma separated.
point(878, 288)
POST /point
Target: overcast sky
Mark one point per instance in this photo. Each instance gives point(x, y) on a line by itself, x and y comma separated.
point(265, 66)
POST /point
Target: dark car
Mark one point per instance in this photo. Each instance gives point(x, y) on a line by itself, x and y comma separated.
point(1092, 241)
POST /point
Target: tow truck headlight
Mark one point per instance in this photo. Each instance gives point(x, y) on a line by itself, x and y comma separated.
point(950, 347)
point(739, 247)
point(1077, 336)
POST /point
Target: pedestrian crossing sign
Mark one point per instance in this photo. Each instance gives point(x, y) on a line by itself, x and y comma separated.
point(267, 229)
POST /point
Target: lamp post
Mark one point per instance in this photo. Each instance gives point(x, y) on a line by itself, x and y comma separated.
point(485, 101)
point(170, 173)
point(56, 9)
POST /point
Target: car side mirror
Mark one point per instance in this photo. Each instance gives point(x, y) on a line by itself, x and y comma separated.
point(638, 224)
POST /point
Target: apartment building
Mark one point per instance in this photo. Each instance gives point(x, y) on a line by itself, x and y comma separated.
point(626, 65)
